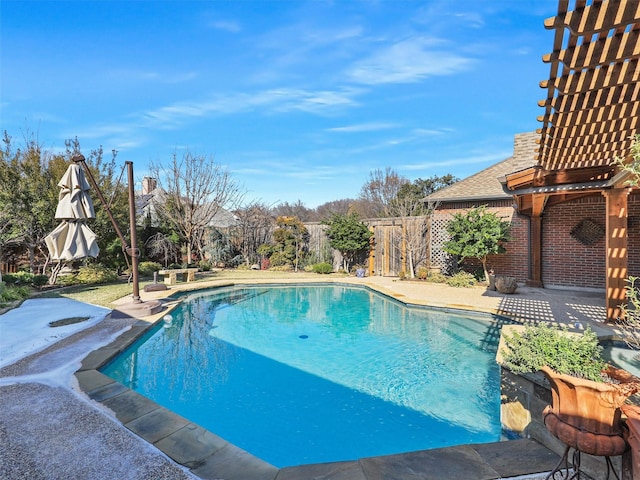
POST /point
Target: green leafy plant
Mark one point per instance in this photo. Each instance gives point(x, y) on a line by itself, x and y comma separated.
point(462, 280)
point(422, 273)
point(323, 268)
point(477, 234)
point(12, 293)
point(282, 268)
point(25, 279)
point(146, 269)
point(570, 354)
point(95, 273)
point(349, 236)
point(437, 277)
point(40, 280)
point(630, 320)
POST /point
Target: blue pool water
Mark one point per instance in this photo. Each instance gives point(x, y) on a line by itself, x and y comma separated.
point(311, 374)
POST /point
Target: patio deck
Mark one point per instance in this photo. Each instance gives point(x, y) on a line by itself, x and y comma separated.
point(48, 430)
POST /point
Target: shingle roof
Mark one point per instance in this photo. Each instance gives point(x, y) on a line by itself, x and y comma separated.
point(485, 185)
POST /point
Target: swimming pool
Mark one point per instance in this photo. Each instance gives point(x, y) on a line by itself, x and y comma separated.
point(311, 374)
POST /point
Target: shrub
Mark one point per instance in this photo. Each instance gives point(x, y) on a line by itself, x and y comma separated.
point(95, 273)
point(204, 265)
point(437, 277)
point(282, 268)
point(40, 280)
point(12, 293)
point(67, 280)
point(25, 279)
point(236, 261)
point(536, 346)
point(146, 269)
point(461, 279)
point(323, 268)
point(18, 278)
point(422, 273)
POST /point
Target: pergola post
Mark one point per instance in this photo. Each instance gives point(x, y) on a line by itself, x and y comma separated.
point(535, 240)
point(616, 245)
point(535, 251)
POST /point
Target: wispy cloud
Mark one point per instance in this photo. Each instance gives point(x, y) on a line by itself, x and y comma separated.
point(480, 158)
point(302, 50)
point(129, 75)
point(430, 132)
point(130, 132)
point(226, 25)
point(319, 102)
point(471, 19)
point(363, 127)
point(408, 61)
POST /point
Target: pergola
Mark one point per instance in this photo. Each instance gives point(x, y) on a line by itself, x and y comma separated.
point(591, 114)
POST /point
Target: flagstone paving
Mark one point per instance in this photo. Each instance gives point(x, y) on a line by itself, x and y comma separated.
point(48, 430)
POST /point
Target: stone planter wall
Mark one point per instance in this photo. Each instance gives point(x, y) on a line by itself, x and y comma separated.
point(523, 397)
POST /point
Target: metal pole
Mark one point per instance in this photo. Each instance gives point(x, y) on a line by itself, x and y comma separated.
point(79, 158)
point(135, 253)
point(132, 250)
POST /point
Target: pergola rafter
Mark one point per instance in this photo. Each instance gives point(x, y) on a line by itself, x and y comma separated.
point(591, 114)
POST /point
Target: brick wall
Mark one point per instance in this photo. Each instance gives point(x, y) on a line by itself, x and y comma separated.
point(573, 264)
point(514, 262)
point(566, 262)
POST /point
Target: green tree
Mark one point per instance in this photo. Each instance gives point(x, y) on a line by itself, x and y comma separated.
point(410, 197)
point(477, 234)
point(28, 197)
point(291, 239)
point(348, 235)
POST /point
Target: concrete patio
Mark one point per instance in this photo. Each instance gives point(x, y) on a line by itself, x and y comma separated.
point(92, 427)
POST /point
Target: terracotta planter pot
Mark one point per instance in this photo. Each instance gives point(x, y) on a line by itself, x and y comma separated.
point(586, 415)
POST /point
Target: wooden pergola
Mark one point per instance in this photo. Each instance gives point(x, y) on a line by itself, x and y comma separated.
point(591, 114)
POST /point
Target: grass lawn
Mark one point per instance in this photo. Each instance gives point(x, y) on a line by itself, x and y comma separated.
point(104, 295)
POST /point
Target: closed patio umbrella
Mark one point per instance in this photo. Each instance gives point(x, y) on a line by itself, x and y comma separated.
point(72, 239)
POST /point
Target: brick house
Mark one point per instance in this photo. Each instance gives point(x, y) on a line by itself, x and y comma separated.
point(484, 188)
point(573, 231)
point(573, 200)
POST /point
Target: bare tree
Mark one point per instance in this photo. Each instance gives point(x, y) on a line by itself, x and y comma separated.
point(161, 245)
point(339, 207)
point(381, 189)
point(193, 189)
point(297, 209)
point(254, 228)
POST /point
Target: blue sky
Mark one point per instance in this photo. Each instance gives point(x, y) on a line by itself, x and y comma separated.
point(300, 100)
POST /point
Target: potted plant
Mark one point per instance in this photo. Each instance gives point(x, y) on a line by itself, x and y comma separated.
point(586, 393)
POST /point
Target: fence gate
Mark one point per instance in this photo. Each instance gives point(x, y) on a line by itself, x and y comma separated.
point(388, 250)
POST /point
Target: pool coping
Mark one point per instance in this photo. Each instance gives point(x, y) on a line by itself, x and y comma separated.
point(209, 456)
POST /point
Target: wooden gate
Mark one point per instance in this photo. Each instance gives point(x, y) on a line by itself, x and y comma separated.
point(388, 256)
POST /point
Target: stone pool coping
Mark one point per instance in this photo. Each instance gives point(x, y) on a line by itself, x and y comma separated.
point(209, 456)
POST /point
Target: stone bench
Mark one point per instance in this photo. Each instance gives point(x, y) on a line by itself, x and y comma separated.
point(170, 276)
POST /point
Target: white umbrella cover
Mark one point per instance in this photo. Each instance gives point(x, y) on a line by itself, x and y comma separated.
point(74, 201)
point(73, 239)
